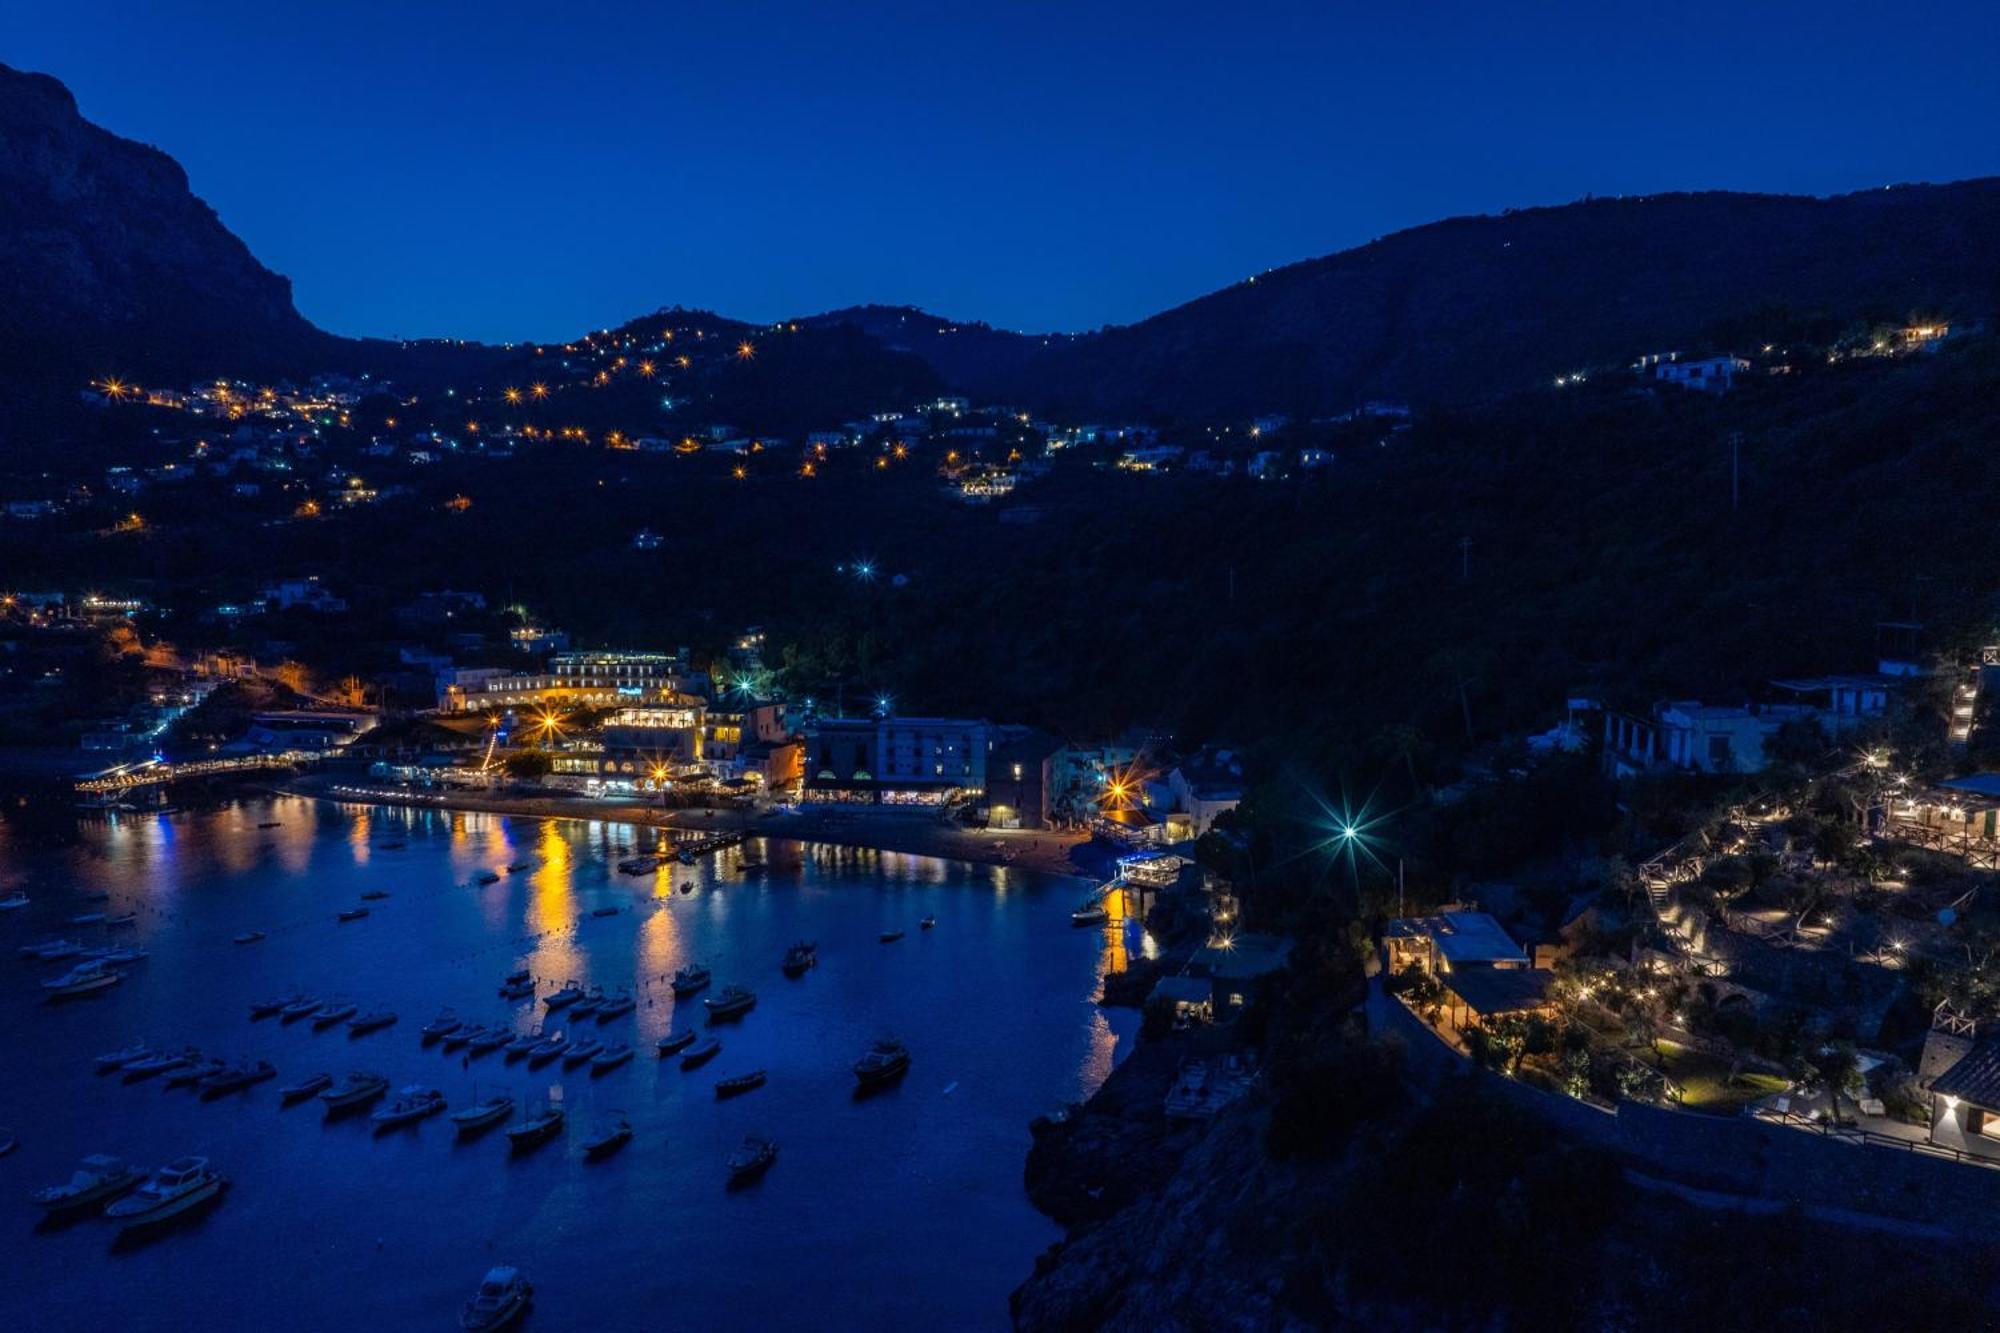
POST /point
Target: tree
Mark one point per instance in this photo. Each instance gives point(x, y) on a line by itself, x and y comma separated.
point(528, 764)
point(1836, 1068)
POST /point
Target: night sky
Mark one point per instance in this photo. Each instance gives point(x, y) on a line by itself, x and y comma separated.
point(528, 170)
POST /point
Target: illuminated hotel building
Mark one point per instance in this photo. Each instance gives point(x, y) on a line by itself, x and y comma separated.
point(896, 760)
point(594, 679)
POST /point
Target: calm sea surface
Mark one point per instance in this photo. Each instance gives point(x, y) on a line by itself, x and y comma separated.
point(903, 1210)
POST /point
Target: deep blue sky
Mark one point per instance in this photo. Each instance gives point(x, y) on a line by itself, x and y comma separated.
point(528, 170)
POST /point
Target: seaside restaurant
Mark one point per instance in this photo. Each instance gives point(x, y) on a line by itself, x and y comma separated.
point(1960, 816)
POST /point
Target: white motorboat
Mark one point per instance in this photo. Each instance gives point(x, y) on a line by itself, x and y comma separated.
point(359, 1090)
point(885, 1062)
point(83, 979)
point(171, 1191)
point(1090, 914)
point(733, 1002)
point(334, 1011)
point(97, 1180)
point(482, 1115)
point(502, 1298)
point(412, 1104)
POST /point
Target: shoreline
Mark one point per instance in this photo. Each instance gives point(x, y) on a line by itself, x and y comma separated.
point(912, 833)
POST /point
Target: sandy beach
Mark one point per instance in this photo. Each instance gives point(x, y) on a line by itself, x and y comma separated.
point(917, 832)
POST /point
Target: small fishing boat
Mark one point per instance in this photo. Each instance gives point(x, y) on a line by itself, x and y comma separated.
point(675, 1042)
point(489, 1039)
point(310, 1086)
point(592, 1001)
point(83, 979)
point(121, 919)
point(460, 1035)
point(607, 1139)
point(250, 937)
point(885, 1062)
point(739, 1084)
point(188, 1075)
point(522, 1044)
point(1090, 914)
point(442, 1026)
point(751, 1160)
point(891, 936)
point(412, 1104)
point(298, 1007)
point(482, 1115)
point(517, 976)
point(800, 958)
point(517, 990)
point(580, 1051)
point(569, 994)
point(86, 919)
point(171, 1191)
point(237, 1077)
point(502, 1298)
point(928, 923)
point(621, 1003)
point(701, 1055)
point(363, 1024)
point(266, 1008)
point(125, 957)
point(733, 1002)
point(374, 895)
point(611, 1057)
point(536, 1129)
point(334, 1011)
point(116, 1060)
point(14, 901)
point(548, 1049)
point(359, 1090)
point(351, 914)
point(98, 1179)
point(150, 1065)
point(694, 977)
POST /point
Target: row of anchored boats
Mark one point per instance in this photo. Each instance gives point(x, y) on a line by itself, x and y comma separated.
point(324, 1013)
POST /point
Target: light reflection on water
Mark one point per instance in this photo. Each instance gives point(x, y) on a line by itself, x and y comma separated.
point(903, 1210)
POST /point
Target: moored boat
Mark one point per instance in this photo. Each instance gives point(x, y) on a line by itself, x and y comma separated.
point(621, 1003)
point(14, 901)
point(751, 1160)
point(250, 937)
point(442, 1026)
point(928, 923)
point(733, 1002)
point(266, 1009)
point(1090, 914)
point(168, 1193)
point(298, 1008)
point(568, 995)
point(607, 1139)
point(689, 979)
point(150, 1065)
point(359, 1090)
point(592, 1001)
point(799, 958)
point(334, 1011)
point(891, 936)
point(580, 1051)
point(459, 1036)
point(886, 1061)
point(536, 1129)
point(51, 951)
point(374, 895)
point(675, 1042)
point(701, 1055)
point(548, 1048)
point(351, 914)
point(740, 1083)
point(310, 1086)
point(86, 918)
point(122, 919)
point(522, 1044)
point(237, 1077)
point(374, 1021)
point(83, 979)
point(482, 1115)
point(610, 1057)
point(112, 1061)
point(188, 1075)
point(412, 1104)
point(99, 1179)
point(487, 877)
point(488, 1039)
point(502, 1298)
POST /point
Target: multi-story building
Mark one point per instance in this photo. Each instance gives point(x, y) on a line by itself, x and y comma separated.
point(594, 679)
point(896, 760)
